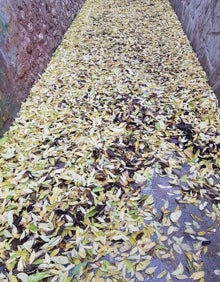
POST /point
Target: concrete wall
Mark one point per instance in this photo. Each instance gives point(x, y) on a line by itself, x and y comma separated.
point(201, 22)
point(29, 33)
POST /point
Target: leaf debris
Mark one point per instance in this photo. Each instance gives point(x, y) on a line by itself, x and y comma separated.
point(122, 96)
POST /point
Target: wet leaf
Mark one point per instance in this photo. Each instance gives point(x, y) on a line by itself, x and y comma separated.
point(197, 275)
point(111, 167)
point(77, 269)
point(217, 272)
point(162, 274)
point(150, 270)
point(179, 270)
point(91, 212)
point(38, 276)
point(33, 227)
point(175, 216)
point(60, 260)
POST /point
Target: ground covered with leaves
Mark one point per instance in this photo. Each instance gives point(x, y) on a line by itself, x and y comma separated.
point(111, 170)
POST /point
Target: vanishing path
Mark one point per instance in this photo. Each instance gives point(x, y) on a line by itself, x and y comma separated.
point(111, 170)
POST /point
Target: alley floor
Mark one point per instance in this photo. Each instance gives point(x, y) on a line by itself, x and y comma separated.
point(110, 171)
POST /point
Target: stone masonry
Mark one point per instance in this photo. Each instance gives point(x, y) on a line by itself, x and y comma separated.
point(201, 22)
point(30, 31)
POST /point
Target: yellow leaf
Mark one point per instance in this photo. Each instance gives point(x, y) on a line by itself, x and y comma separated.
point(12, 278)
point(197, 275)
point(142, 265)
point(162, 274)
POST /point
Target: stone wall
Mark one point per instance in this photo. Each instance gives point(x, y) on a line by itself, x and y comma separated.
point(201, 22)
point(29, 33)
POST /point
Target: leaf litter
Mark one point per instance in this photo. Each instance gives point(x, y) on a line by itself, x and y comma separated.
point(123, 96)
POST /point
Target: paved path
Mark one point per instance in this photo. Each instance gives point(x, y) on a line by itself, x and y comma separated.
point(111, 170)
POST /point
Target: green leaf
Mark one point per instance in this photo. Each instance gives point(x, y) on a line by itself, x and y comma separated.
point(91, 212)
point(106, 264)
point(157, 126)
point(33, 227)
point(3, 140)
point(217, 162)
point(11, 207)
point(38, 261)
point(77, 269)
point(143, 198)
point(38, 276)
point(97, 189)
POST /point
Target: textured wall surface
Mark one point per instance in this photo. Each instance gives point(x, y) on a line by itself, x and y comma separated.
point(29, 33)
point(201, 22)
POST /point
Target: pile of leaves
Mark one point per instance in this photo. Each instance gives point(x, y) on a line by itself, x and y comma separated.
point(122, 97)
